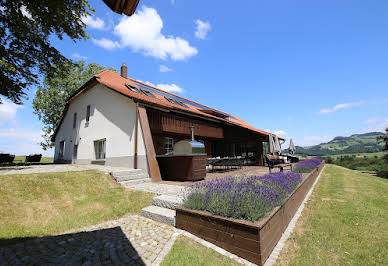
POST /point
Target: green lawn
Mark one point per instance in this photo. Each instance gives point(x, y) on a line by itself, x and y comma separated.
point(345, 222)
point(186, 251)
point(50, 203)
point(43, 160)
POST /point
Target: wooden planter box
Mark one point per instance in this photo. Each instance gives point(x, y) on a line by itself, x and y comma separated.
point(253, 241)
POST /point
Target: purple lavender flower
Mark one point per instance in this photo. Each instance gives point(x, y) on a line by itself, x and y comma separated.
point(246, 197)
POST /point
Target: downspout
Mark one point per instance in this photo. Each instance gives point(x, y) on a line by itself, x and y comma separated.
point(136, 133)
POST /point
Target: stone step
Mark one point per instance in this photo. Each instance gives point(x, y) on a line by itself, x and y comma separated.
point(159, 214)
point(129, 183)
point(167, 201)
point(121, 176)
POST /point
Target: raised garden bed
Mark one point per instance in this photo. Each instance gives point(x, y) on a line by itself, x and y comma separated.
point(253, 241)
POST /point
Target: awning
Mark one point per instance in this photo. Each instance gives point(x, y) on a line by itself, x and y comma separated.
point(292, 148)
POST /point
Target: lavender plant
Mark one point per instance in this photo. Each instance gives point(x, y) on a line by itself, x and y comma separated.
point(248, 198)
point(307, 166)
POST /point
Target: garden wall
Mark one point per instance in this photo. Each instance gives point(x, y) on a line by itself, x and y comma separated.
point(253, 241)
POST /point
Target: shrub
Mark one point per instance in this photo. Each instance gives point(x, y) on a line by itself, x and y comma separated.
point(248, 198)
point(307, 166)
point(383, 173)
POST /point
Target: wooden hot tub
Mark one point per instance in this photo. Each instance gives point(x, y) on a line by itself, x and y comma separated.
point(182, 167)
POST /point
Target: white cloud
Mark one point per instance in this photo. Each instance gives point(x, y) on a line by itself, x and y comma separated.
point(142, 33)
point(312, 140)
point(280, 133)
point(376, 125)
point(25, 12)
point(172, 2)
point(95, 23)
point(7, 110)
point(163, 68)
point(166, 87)
point(22, 141)
point(372, 120)
point(340, 106)
point(170, 88)
point(202, 29)
point(106, 43)
point(77, 56)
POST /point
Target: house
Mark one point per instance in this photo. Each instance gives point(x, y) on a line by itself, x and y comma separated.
point(118, 121)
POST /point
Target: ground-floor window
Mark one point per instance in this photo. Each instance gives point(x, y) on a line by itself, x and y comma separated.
point(169, 144)
point(100, 148)
point(75, 151)
point(61, 149)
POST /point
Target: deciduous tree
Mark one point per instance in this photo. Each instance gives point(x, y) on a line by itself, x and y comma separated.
point(26, 30)
point(50, 98)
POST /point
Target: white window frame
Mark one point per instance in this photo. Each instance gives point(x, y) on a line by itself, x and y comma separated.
point(100, 149)
point(169, 144)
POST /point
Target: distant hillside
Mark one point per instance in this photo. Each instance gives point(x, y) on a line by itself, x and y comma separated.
point(357, 143)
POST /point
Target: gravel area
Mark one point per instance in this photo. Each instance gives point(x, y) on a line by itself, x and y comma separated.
point(49, 168)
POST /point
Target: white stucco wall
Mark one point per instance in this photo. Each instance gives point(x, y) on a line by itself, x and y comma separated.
point(112, 117)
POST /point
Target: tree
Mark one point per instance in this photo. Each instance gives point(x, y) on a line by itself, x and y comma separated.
point(26, 28)
point(385, 139)
point(50, 99)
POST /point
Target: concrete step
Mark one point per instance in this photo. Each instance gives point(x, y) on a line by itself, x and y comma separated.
point(159, 214)
point(129, 183)
point(167, 201)
point(127, 175)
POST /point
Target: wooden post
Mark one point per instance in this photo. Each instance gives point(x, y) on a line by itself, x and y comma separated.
point(153, 165)
point(136, 136)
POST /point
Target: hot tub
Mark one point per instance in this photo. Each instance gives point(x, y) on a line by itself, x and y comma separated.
point(186, 163)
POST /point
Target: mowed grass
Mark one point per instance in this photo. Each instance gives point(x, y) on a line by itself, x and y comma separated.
point(50, 203)
point(345, 222)
point(186, 251)
point(22, 159)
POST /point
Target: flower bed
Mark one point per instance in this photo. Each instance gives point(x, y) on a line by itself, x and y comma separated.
point(253, 241)
point(307, 166)
point(247, 198)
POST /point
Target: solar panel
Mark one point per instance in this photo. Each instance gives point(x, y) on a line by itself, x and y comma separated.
point(148, 93)
point(171, 100)
point(177, 98)
point(133, 88)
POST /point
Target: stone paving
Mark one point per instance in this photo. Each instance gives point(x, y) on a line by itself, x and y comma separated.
point(49, 168)
point(132, 240)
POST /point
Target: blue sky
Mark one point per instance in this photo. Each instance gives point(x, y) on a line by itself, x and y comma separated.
point(310, 70)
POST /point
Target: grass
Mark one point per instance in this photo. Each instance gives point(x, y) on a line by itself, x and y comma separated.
point(22, 159)
point(186, 251)
point(50, 203)
point(344, 222)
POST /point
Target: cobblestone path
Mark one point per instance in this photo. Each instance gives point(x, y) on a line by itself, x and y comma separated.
point(132, 240)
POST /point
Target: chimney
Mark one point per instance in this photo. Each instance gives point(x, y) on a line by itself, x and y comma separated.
point(124, 71)
point(192, 133)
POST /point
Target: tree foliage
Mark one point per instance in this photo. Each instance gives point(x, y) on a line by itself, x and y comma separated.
point(385, 139)
point(26, 28)
point(51, 97)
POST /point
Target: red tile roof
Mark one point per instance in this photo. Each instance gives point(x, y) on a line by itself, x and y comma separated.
point(117, 83)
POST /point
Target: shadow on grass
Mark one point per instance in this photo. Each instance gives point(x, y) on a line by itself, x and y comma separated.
point(105, 246)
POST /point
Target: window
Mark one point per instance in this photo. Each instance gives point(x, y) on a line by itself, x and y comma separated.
point(148, 93)
point(74, 120)
point(87, 113)
point(61, 149)
point(169, 144)
point(100, 149)
point(175, 101)
point(75, 151)
point(133, 88)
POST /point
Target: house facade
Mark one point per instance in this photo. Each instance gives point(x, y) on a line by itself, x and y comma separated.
point(114, 120)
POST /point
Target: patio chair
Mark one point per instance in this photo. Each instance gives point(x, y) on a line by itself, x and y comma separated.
point(274, 162)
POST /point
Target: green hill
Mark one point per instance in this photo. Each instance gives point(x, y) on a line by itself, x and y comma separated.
point(357, 143)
